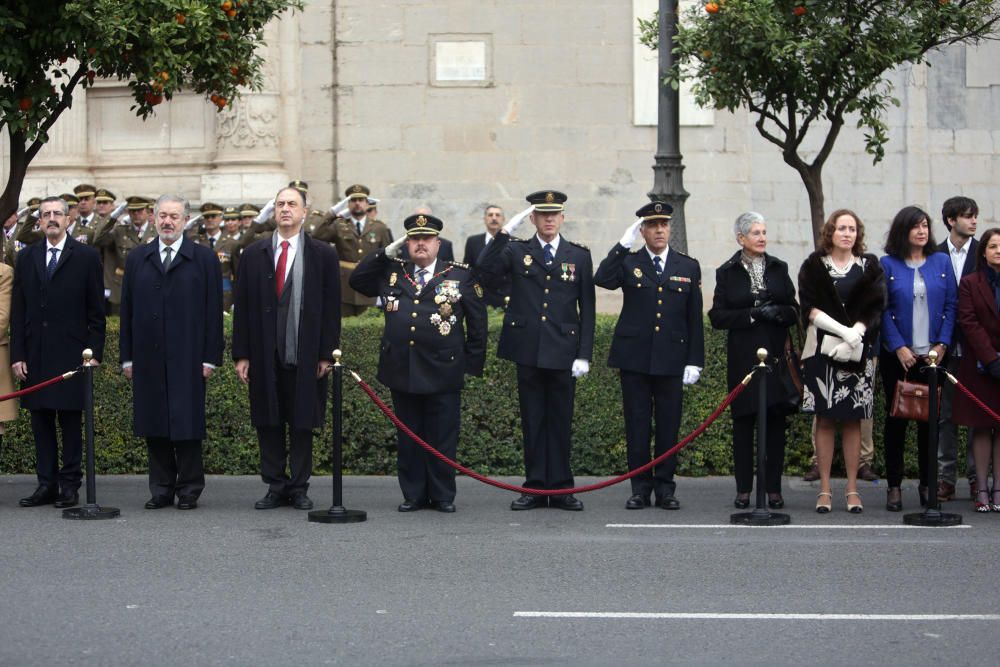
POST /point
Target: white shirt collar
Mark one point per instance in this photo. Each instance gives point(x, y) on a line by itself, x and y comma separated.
point(429, 268)
point(953, 250)
point(554, 243)
point(293, 243)
point(662, 256)
point(59, 246)
point(175, 246)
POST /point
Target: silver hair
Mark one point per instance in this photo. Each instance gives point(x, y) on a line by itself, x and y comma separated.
point(58, 199)
point(746, 221)
point(174, 199)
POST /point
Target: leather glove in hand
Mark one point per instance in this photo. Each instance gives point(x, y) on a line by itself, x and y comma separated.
point(994, 369)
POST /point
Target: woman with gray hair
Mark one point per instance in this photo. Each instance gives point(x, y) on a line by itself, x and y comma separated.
point(755, 303)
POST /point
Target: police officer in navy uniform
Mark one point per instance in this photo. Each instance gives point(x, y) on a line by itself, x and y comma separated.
point(658, 345)
point(548, 331)
point(435, 334)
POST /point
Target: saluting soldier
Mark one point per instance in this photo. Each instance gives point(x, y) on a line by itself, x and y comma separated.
point(354, 237)
point(85, 194)
point(548, 331)
point(247, 214)
point(77, 231)
point(117, 238)
point(224, 247)
point(9, 230)
point(658, 345)
point(28, 231)
point(435, 334)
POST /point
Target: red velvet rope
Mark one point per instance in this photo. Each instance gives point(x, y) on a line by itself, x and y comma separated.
point(548, 492)
point(973, 398)
point(41, 385)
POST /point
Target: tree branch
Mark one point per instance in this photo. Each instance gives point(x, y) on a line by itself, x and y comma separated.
point(64, 103)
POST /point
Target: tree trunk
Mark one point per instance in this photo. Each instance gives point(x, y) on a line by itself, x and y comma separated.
point(812, 178)
point(18, 169)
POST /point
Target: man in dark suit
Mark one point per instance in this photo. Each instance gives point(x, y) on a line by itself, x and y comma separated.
point(435, 334)
point(474, 245)
point(548, 331)
point(659, 344)
point(171, 343)
point(286, 324)
point(56, 313)
point(960, 217)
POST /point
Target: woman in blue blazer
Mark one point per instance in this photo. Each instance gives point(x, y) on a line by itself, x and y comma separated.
point(919, 317)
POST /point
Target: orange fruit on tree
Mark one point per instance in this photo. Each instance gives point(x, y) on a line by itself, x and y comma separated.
point(799, 10)
point(25, 103)
point(226, 6)
point(712, 8)
point(180, 18)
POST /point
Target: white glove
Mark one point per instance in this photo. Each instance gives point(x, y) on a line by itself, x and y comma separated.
point(842, 352)
point(265, 213)
point(118, 210)
point(631, 234)
point(861, 329)
point(830, 325)
point(339, 206)
point(580, 368)
point(392, 250)
point(124, 220)
point(516, 221)
point(22, 212)
point(691, 374)
point(192, 222)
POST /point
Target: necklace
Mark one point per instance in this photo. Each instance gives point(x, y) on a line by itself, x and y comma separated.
point(417, 287)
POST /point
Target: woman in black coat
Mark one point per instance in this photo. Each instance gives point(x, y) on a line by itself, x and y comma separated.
point(755, 302)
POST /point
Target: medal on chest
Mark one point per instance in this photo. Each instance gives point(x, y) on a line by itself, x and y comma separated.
point(445, 294)
point(568, 272)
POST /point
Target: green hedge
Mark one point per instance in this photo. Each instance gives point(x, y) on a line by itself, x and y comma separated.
point(491, 435)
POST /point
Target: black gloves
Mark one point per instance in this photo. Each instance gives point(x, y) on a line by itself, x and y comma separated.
point(993, 368)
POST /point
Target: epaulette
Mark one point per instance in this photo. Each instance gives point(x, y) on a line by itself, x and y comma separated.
point(579, 245)
point(398, 260)
point(519, 240)
point(460, 265)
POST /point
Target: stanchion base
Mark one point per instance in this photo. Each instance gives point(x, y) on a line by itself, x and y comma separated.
point(91, 512)
point(757, 519)
point(933, 519)
point(338, 515)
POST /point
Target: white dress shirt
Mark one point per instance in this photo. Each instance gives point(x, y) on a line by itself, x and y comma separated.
point(958, 256)
point(293, 246)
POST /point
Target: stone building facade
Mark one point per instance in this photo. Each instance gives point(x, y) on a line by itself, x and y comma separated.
point(459, 103)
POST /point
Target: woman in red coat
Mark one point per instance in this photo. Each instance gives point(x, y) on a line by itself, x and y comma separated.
point(979, 317)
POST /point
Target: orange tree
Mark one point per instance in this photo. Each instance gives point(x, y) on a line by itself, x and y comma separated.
point(50, 48)
point(804, 66)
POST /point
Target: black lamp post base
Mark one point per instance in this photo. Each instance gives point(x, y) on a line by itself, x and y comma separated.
point(91, 512)
point(338, 515)
point(756, 518)
point(933, 519)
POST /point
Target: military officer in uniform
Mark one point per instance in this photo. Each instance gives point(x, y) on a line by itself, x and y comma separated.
point(247, 214)
point(435, 334)
point(548, 331)
point(76, 230)
point(117, 238)
point(9, 230)
point(658, 345)
point(225, 248)
point(493, 221)
point(85, 195)
point(29, 231)
point(354, 237)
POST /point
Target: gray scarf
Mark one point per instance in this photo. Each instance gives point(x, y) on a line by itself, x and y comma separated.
point(755, 267)
point(291, 352)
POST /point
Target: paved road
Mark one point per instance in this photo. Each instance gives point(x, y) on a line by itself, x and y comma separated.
point(226, 584)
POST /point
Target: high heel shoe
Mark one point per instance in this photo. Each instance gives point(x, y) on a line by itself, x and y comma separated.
point(982, 502)
point(854, 508)
point(775, 501)
point(742, 501)
point(995, 502)
point(894, 499)
point(821, 507)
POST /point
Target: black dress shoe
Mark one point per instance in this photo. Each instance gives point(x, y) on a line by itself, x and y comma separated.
point(741, 501)
point(527, 502)
point(158, 502)
point(301, 501)
point(775, 501)
point(636, 502)
point(271, 501)
point(567, 502)
point(187, 503)
point(69, 499)
point(43, 495)
point(669, 503)
point(409, 505)
point(445, 506)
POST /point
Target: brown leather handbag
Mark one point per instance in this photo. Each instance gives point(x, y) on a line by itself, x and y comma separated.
point(911, 400)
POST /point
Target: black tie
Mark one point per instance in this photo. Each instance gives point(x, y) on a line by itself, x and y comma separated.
point(421, 278)
point(166, 258)
point(211, 243)
point(658, 265)
point(548, 253)
point(359, 228)
point(51, 268)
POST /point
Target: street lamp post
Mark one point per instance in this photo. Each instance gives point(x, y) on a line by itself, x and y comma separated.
point(668, 170)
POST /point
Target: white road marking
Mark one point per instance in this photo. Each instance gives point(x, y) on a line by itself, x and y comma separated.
point(757, 617)
point(716, 526)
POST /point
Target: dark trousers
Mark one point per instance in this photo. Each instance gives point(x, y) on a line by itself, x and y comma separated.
point(435, 418)
point(744, 433)
point(948, 448)
point(282, 445)
point(546, 398)
point(43, 426)
point(894, 434)
point(645, 398)
point(175, 467)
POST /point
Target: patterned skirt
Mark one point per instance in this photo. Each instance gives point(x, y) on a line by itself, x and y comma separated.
point(832, 392)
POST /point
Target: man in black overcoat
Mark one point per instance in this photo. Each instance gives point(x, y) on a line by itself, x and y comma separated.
point(658, 344)
point(435, 335)
point(171, 342)
point(286, 324)
point(56, 313)
point(474, 246)
point(548, 331)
